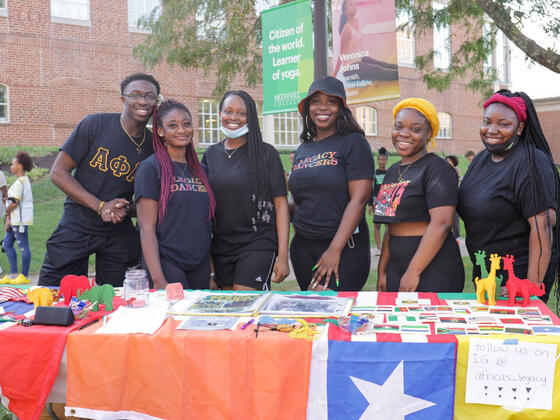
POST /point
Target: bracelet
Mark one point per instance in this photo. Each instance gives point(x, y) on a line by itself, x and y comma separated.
point(212, 275)
point(101, 204)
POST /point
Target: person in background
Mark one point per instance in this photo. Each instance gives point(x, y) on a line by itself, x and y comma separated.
point(252, 222)
point(174, 203)
point(95, 168)
point(4, 191)
point(417, 201)
point(469, 154)
point(454, 162)
point(377, 182)
point(18, 219)
point(510, 195)
point(330, 185)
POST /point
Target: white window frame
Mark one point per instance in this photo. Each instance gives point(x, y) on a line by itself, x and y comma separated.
point(445, 126)
point(406, 43)
point(367, 118)
point(287, 128)
point(208, 121)
point(6, 104)
point(68, 17)
point(4, 8)
point(133, 20)
point(442, 43)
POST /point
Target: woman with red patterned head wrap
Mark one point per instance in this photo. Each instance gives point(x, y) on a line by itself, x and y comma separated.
point(509, 197)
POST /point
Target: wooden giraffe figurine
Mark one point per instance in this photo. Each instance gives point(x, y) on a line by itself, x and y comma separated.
point(520, 287)
point(480, 257)
point(488, 284)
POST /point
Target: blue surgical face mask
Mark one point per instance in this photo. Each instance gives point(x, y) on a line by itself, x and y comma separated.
point(233, 134)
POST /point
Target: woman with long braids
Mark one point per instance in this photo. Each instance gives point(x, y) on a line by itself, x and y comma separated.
point(417, 201)
point(509, 197)
point(174, 203)
point(330, 185)
point(252, 220)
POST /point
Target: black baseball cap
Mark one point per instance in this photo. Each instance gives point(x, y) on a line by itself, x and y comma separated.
point(327, 85)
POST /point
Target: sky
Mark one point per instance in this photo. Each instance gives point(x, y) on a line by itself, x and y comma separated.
point(533, 79)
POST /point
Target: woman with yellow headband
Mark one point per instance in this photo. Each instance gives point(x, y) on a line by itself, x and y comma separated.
point(417, 202)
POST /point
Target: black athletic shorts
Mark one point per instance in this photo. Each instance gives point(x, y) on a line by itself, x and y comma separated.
point(248, 268)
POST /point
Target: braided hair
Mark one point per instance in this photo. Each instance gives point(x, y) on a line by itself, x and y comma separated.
point(257, 161)
point(166, 165)
point(532, 138)
point(345, 121)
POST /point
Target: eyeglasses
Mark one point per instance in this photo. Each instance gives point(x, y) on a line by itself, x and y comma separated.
point(149, 98)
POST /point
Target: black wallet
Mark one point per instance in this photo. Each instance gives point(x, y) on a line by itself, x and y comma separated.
point(53, 315)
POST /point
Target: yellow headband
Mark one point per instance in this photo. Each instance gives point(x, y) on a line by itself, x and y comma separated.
point(426, 109)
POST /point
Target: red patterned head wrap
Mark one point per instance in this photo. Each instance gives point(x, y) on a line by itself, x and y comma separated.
point(516, 103)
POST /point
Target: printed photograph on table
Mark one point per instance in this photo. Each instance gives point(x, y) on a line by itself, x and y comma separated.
point(306, 306)
point(227, 304)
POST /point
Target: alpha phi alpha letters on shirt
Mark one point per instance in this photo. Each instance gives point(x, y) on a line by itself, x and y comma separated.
point(119, 166)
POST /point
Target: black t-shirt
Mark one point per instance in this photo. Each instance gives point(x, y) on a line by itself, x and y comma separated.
point(230, 180)
point(185, 234)
point(496, 199)
point(319, 181)
point(378, 178)
point(106, 163)
point(426, 183)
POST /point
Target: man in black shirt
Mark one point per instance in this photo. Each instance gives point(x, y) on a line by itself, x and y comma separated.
point(105, 151)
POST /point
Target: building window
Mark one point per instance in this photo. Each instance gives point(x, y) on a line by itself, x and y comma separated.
point(138, 9)
point(3, 7)
point(405, 40)
point(70, 9)
point(208, 121)
point(286, 129)
point(4, 105)
point(442, 43)
point(367, 118)
point(445, 126)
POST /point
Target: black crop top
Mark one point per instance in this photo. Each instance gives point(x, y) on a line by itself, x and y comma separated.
point(426, 183)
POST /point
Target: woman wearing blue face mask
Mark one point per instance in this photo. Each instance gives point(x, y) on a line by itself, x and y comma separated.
point(250, 238)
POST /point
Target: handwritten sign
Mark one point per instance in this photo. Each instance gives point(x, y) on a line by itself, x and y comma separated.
point(516, 375)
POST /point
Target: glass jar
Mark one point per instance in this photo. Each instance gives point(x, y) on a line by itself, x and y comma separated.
point(136, 288)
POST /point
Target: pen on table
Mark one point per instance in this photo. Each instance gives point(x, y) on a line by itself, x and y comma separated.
point(248, 323)
point(88, 324)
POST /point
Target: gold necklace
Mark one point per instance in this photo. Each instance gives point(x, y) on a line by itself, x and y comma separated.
point(399, 179)
point(229, 155)
point(138, 145)
point(179, 169)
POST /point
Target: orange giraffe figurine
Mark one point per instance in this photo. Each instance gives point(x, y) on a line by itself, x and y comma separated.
point(520, 287)
point(488, 284)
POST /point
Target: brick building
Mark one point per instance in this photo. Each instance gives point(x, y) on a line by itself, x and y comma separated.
point(63, 59)
point(548, 110)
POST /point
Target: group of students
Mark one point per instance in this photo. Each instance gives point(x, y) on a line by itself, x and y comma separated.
point(224, 222)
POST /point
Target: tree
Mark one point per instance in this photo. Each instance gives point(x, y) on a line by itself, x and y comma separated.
point(212, 35)
point(480, 20)
point(224, 37)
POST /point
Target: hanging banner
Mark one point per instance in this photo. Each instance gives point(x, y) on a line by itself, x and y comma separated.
point(365, 49)
point(287, 49)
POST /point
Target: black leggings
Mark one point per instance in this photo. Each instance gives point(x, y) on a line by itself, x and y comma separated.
point(353, 268)
point(445, 273)
point(197, 278)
